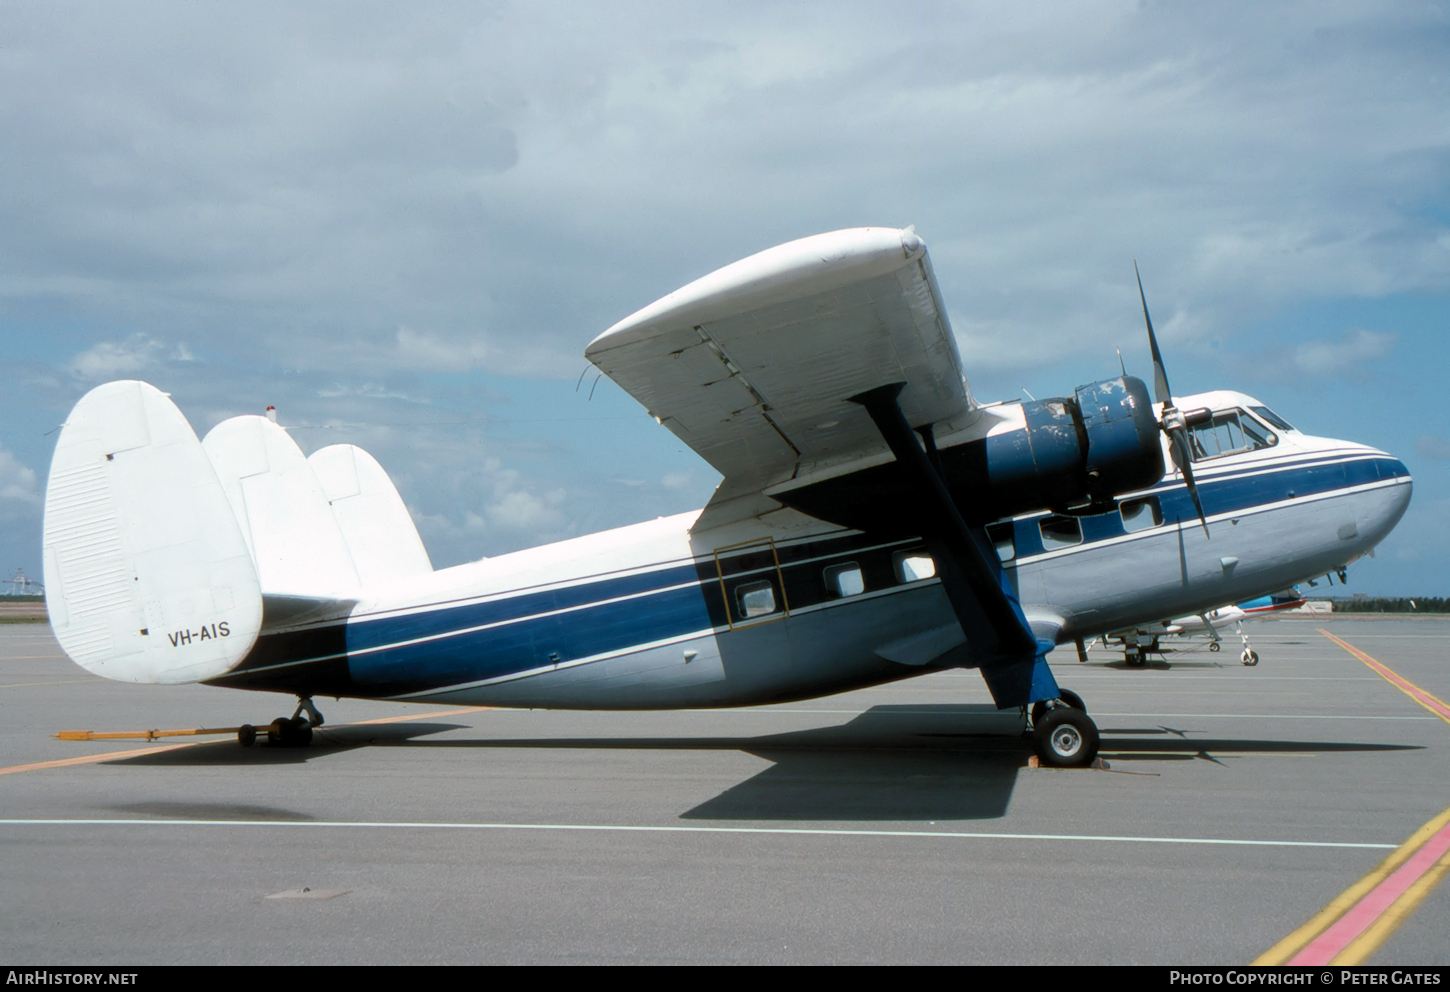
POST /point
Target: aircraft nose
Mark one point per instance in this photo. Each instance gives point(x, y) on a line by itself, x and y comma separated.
point(1388, 501)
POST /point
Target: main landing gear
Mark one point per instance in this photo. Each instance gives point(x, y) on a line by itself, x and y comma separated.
point(1063, 735)
point(282, 732)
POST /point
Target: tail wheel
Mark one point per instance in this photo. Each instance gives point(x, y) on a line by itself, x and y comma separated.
point(296, 732)
point(1066, 738)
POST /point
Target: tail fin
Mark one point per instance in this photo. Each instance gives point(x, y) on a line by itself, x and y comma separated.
point(375, 524)
point(294, 538)
point(147, 574)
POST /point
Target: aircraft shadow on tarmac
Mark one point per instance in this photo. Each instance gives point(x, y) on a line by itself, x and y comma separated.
point(897, 763)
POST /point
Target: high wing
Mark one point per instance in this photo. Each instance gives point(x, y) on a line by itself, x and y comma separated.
point(752, 365)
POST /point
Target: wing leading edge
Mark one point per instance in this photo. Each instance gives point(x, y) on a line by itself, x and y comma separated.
point(753, 365)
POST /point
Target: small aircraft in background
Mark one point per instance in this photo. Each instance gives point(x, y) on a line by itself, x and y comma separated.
point(874, 522)
point(1140, 642)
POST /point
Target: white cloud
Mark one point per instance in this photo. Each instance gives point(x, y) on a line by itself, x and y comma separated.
point(17, 481)
point(1332, 358)
point(117, 359)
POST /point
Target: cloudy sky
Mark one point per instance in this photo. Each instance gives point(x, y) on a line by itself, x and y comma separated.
point(402, 223)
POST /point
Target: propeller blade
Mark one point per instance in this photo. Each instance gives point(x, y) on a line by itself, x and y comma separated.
point(1185, 462)
point(1161, 392)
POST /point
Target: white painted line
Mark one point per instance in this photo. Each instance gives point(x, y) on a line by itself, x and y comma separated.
point(616, 828)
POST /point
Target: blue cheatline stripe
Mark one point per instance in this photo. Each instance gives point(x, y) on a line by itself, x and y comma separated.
point(454, 645)
point(530, 642)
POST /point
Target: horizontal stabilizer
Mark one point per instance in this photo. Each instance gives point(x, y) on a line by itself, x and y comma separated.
point(379, 533)
point(147, 575)
point(294, 538)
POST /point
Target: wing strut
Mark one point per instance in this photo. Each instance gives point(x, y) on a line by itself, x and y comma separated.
point(987, 608)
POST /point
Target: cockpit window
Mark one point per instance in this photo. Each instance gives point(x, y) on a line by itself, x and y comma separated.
point(1226, 433)
point(1271, 418)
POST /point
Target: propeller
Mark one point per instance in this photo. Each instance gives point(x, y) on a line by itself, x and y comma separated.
point(1174, 422)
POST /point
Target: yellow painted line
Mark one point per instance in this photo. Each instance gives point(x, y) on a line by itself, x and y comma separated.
point(93, 758)
point(416, 716)
point(1361, 918)
point(1285, 950)
point(1428, 700)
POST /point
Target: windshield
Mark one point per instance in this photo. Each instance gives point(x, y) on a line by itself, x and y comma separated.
point(1228, 432)
point(1272, 418)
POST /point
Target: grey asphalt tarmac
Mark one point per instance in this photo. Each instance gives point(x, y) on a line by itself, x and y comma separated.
point(902, 824)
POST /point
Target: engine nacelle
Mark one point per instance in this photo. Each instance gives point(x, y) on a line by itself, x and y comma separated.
point(1072, 454)
point(1086, 449)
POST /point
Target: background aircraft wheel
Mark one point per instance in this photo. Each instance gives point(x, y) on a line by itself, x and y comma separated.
point(1066, 738)
point(1213, 646)
point(246, 735)
point(1135, 659)
point(1250, 657)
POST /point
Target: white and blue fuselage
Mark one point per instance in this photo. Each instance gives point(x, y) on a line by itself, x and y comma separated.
point(668, 614)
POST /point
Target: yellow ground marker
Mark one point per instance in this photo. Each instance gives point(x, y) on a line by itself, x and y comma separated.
point(1357, 922)
point(113, 755)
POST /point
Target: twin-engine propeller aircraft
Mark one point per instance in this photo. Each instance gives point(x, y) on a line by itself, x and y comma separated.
point(1139, 642)
point(874, 522)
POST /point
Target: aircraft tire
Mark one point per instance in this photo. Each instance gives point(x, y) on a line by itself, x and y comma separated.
point(246, 735)
point(301, 732)
point(1068, 696)
point(1250, 657)
point(1213, 646)
point(1135, 659)
point(277, 731)
point(1066, 738)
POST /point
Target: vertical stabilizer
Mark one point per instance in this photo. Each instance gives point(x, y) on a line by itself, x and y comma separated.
point(147, 576)
point(380, 534)
point(284, 517)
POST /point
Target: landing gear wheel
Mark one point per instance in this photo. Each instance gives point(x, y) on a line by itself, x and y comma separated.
point(1213, 646)
point(1067, 696)
point(1250, 657)
point(246, 735)
point(296, 732)
point(1066, 738)
point(1135, 659)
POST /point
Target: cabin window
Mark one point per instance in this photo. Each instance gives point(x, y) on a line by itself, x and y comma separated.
point(1060, 532)
point(845, 580)
point(1228, 433)
point(1271, 418)
point(1002, 539)
point(1140, 514)
point(756, 599)
point(913, 566)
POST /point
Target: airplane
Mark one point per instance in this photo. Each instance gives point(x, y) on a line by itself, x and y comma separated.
point(874, 522)
point(1139, 642)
